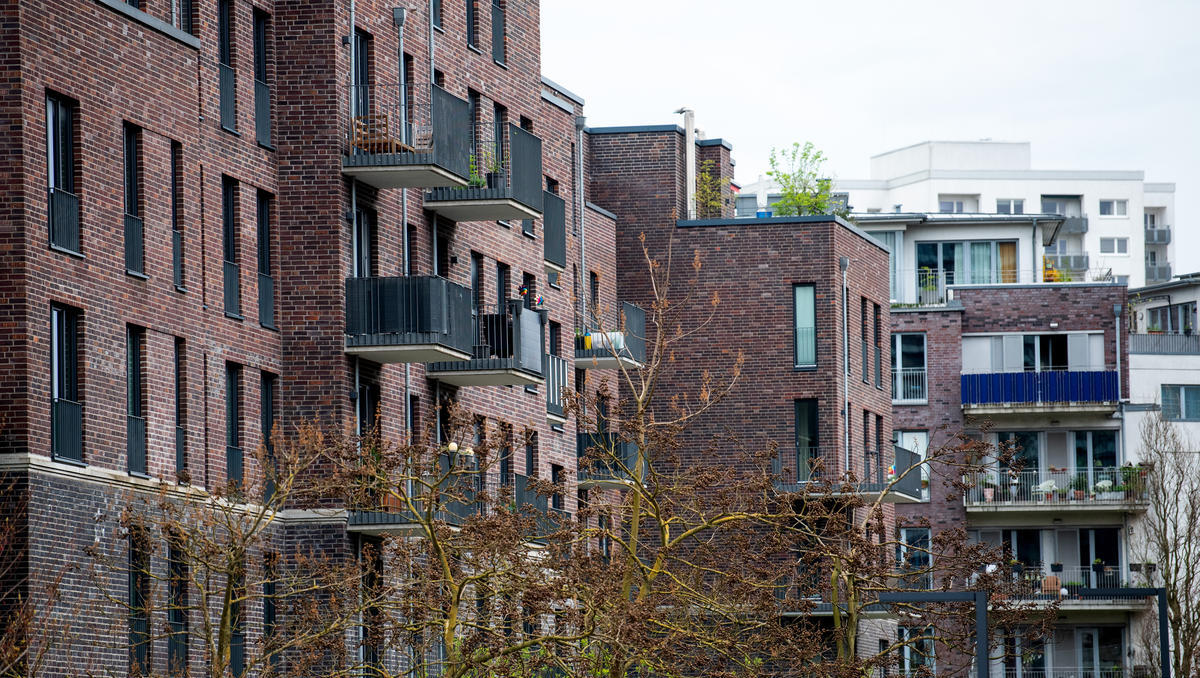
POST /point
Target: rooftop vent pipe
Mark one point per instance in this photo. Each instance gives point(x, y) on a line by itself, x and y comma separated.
point(689, 151)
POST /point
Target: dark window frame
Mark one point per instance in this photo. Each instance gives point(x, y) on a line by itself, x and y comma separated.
point(796, 327)
point(140, 577)
point(178, 578)
point(177, 226)
point(135, 395)
point(180, 369)
point(64, 374)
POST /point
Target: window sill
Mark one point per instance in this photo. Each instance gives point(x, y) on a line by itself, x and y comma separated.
point(505, 224)
point(234, 132)
point(804, 368)
point(181, 289)
point(137, 474)
point(64, 250)
point(474, 48)
point(268, 327)
point(527, 234)
point(265, 147)
point(68, 461)
point(136, 274)
point(439, 28)
point(501, 64)
point(234, 316)
point(910, 402)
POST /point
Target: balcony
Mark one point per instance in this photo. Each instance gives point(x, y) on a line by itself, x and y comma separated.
point(605, 460)
point(613, 342)
point(504, 180)
point(63, 210)
point(1091, 391)
point(809, 469)
point(66, 429)
point(1074, 226)
point(1165, 344)
point(1096, 489)
point(391, 515)
point(1159, 235)
point(508, 350)
point(407, 136)
point(1075, 263)
point(554, 232)
point(909, 386)
point(931, 285)
point(413, 319)
point(1158, 273)
point(555, 370)
point(1068, 584)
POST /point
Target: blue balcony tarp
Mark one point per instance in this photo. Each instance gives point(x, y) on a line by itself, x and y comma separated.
point(1057, 386)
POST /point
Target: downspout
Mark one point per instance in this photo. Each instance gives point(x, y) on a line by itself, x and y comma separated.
point(580, 125)
point(844, 266)
point(1033, 250)
point(431, 69)
point(350, 41)
point(1122, 448)
point(398, 16)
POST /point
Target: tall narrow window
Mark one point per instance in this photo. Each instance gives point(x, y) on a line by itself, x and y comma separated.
point(177, 606)
point(266, 411)
point(503, 274)
point(472, 23)
point(233, 423)
point(593, 294)
point(266, 282)
point(530, 454)
point(63, 208)
point(557, 477)
point(474, 110)
point(364, 242)
point(180, 405)
point(229, 248)
point(506, 456)
point(237, 612)
point(805, 311)
point(435, 6)
point(908, 368)
point(177, 214)
point(477, 280)
point(497, 163)
point(269, 607)
point(139, 602)
point(66, 410)
point(362, 72)
point(372, 631)
point(878, 347)
point(807, 440)
point(262, 90)
point(228, 82)
point(135, 343)
point(529, 289)
point(499, 32)
point(863, 321)
point(184, 16)
point(134, 228)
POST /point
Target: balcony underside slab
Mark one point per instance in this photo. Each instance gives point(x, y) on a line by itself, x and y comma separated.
point(403, 176)
point(490, 209)
point(380, 351)
point(993, 410)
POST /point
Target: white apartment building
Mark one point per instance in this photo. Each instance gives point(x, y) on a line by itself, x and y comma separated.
point(1164, 357)
point(1117, 226)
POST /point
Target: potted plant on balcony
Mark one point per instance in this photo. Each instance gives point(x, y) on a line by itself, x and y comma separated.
point(475, 179)
point(1098, 566)
point(1017, 566)
point(1104, 491)
point(1046, 487)
point(1073, 588)
point(1133, 477)
point(1056, 567)
point(989, 489)
point(1079, 486)
point(495, 171)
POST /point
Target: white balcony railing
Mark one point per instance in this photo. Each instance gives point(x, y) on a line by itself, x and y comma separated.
point(1062, 489)
point(909, 385)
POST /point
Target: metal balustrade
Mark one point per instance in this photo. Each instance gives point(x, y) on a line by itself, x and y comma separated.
point(228, 94)
point(554, 231)
point(1165, 344)
point(555, 370)
point(604, 458)
point(504, 180)
point(1065, 583)
point(262, 112)
point(135, 448)
point(909, 385)
point(66, 429)
point(872, 471)
point(232, 274)
point(1043, 387)
point(1058, 489)
point(64, 219)
point(508, 346)
point(135, 246)
point(1159, 235)
point(612, 338)
point(408, 136)
point(1158, 273)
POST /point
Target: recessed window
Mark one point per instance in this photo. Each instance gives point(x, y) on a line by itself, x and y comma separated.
point(1113, 208)
point(1010, 206)
point(1180, 403)
point(908, 368)
point(66, 410)
point(63, 209)
point(1114, 245)
point(805, 311)
point(139, 602)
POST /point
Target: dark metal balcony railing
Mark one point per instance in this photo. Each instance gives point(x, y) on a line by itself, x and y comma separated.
point(1159, 235)
point(554, 230)
point(1058, 489)
point(64, 220)
point(508, 337)
point(537, 505)
point(262, 112)
point(621, 334)
point(1158, 273)
point(177, 257)
point(1044, 387)
point(508, 171)
point(66, 429)
point(233, 465)
point(180, 448)
point(873, 470)
point(878, 366)
point(608, 457)
point(228, 87)
point(410, 124)
point(135, 247)
point(1165, 344)
point(1046, 582)
point(1074, 225)
point(266, 300)
point(135, 432)
point(866, 361)
point(408, 310)
point(233, 289)
point(909, 385)
point(554, 368)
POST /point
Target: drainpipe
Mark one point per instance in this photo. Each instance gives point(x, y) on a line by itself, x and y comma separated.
point(689, 170)
point(350, 41)
point(1122, 448)
point(431, 69)
point(844, 266)
point(1033, 250)
point(398, 16)
point(580, 125)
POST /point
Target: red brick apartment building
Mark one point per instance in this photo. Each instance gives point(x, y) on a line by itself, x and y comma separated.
point(222, 217)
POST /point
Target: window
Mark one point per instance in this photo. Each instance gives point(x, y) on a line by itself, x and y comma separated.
point(916, 442)
point(183, 15)
point(435, 6)
point(499, 32)
point(807, 438)
point(233, 423)
point(805, 311)
point(63, 208)
point(363, 49)
point(497, 162)
point(893, 241)
point(237, 635)
point(269, 606)
point(556, 477)
point(177, 214)
point(66, 410)
point(228, 87)
point(1180, 403)
point(908, 368)
point(1113, 208)
point(913, 556)
point(180, 405)
point(594, 294)
point(229, 247)
point(1114, 245)
point(1010, 206)
point(140, 577)
point(529, 290)
point(916, 652)
point(866, 361)
point(262, 90)
point(177, 606)
point(506, 457)
point(266, 410)
point(980, 262)
point(530, 453)
point(878, 347)
point(266, 282)
point(1172, 319)
point(135, 346)
point(134, 231)
point(503, 274)
point(950, 206)
point(365, 242)
point(472, 23)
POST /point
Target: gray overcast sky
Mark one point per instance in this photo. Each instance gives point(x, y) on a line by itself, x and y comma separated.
point(1093, 85)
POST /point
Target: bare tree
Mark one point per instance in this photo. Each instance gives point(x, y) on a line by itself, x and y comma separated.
point(1167, 536)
